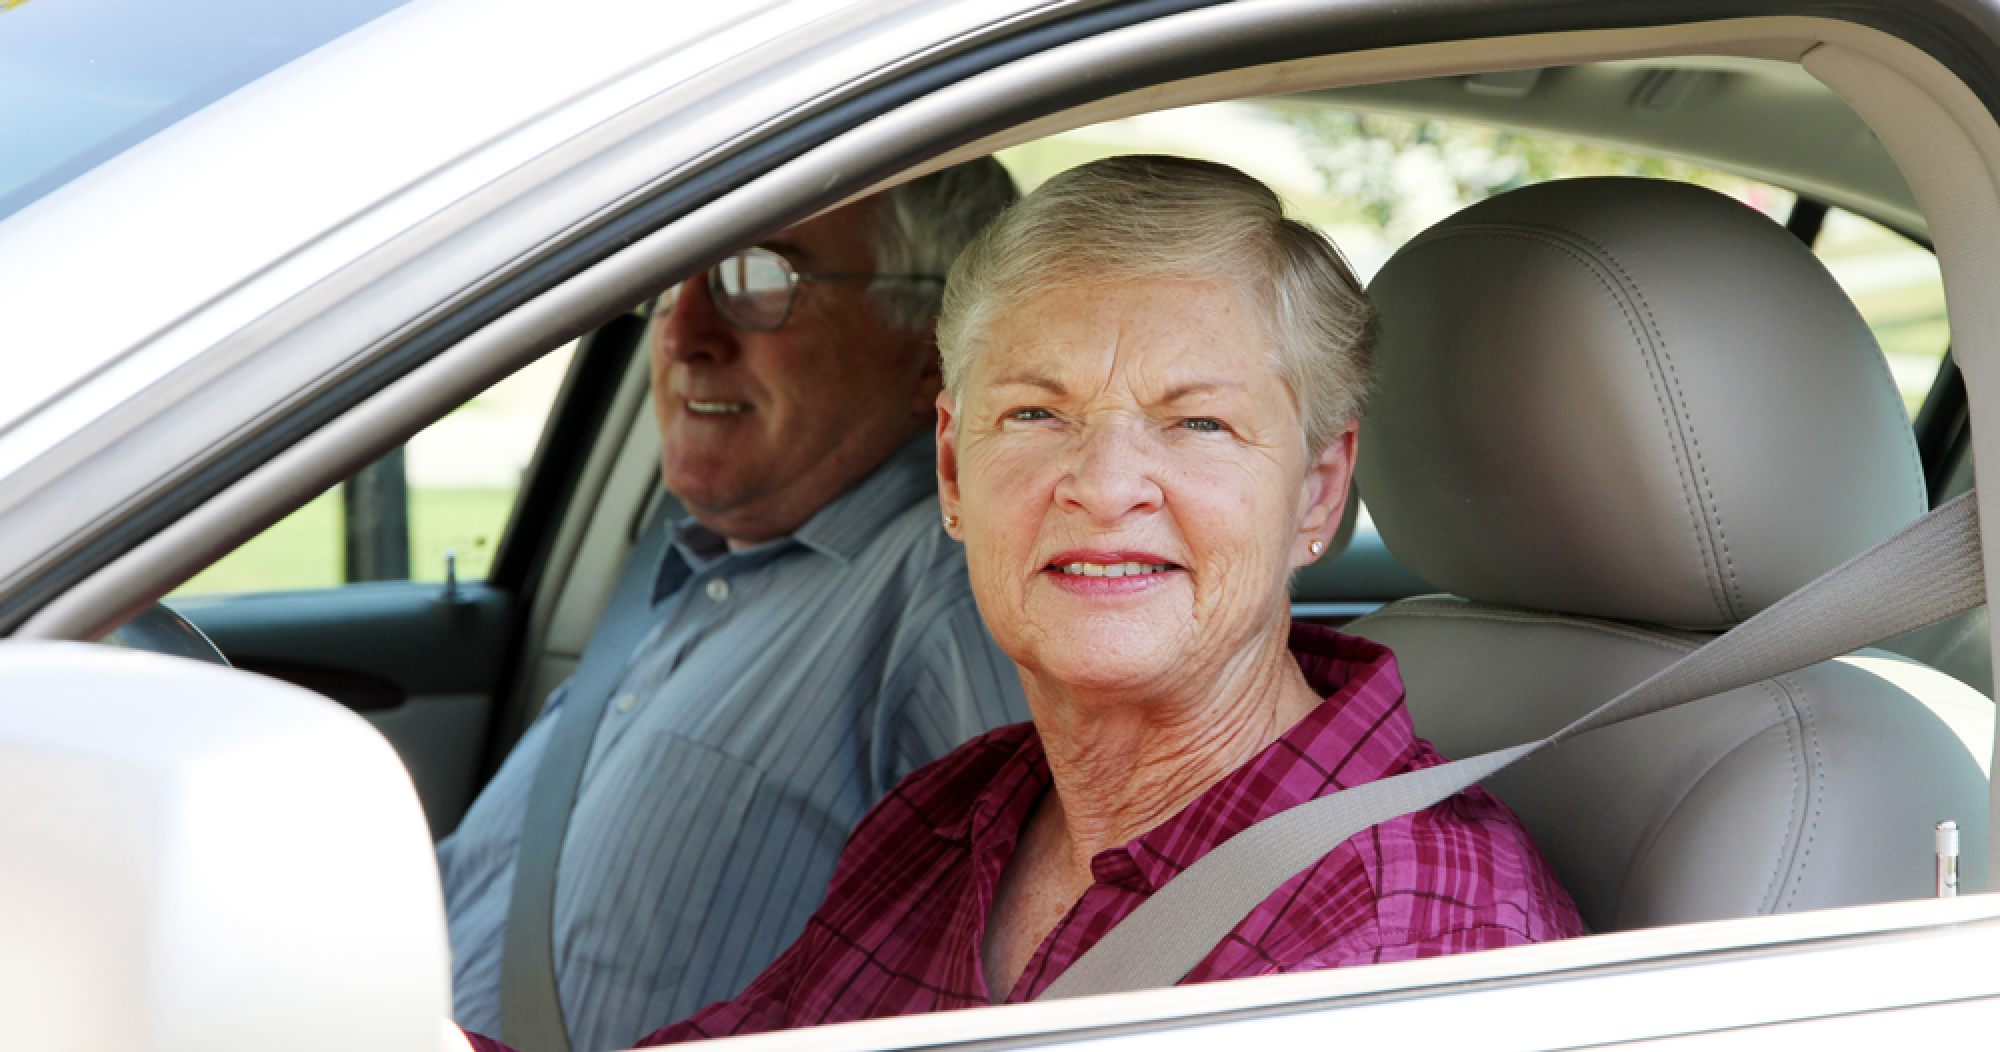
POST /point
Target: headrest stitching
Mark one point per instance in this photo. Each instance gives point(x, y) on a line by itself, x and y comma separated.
point(1788, 719)
point(1802, 708)
point(1736, 607)
point(1649, 836)
point(1704, 517)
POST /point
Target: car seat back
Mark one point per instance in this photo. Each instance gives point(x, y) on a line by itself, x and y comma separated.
point(1613, 417)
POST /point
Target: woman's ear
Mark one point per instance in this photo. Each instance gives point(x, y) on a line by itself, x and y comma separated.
point(947, 459)
point(1323, 496)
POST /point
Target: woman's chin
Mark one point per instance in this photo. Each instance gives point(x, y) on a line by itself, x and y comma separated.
point(1121, 656)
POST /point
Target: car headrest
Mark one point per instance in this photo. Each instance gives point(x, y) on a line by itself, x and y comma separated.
point(1629, 399)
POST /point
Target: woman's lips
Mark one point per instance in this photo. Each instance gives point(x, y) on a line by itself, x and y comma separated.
point(1109, 573)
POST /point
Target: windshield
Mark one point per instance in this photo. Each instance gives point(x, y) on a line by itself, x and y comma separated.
point(84, 80)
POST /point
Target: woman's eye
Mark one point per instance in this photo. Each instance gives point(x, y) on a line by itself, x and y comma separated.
point(1203, 423)
point(1027, 415)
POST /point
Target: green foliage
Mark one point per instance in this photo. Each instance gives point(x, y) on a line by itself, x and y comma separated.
point(1364, 160)
point(306, 548)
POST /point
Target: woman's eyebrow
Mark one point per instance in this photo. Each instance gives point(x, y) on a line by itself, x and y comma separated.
point(1032, 380)
point(1195, 387)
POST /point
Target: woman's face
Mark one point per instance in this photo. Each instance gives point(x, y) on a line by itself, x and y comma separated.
point(1132, 487)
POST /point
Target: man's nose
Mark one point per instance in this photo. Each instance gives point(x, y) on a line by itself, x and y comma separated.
point(1112, 474)
point(693, 330)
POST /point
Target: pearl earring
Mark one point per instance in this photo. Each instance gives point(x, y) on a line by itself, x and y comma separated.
point(1316, 547)
point(951, 522)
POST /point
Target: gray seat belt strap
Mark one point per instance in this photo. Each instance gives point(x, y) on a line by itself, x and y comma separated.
point(531, 1017)
point(1929, 571)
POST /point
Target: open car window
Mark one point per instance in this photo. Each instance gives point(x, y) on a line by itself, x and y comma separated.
point(1374, 180)
point(1371, 181)
point(450, 489)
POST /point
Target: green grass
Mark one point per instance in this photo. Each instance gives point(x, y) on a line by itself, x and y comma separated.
point(467, 520)
point(305, 549)
point(302, 551)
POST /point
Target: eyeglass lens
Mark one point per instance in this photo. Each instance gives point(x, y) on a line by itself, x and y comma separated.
point(753, 289)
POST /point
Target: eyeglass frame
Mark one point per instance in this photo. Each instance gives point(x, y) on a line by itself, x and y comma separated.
point(720, 297)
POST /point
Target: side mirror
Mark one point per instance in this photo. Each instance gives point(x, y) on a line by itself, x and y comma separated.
point(197, 858)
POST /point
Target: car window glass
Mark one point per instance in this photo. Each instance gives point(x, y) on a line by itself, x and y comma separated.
point(84, 80)
point(450, 488)
point(1899, 290)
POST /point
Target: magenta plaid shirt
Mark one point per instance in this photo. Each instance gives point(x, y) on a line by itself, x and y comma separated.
point(901, 927)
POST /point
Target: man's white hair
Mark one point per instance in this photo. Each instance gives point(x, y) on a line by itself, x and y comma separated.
point(922, 226)
point(1128, 219)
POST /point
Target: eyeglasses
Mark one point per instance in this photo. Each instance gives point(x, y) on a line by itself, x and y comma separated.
point(755, 289)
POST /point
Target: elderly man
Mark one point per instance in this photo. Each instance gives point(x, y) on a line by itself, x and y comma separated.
point(805, 639)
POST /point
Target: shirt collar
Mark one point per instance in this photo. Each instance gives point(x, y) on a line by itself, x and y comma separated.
point(841, 529)
point(1359, 734)
point(1002, 806)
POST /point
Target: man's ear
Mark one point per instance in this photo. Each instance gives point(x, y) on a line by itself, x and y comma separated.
point(930, 375)
point(947, 458)
point(1323, 496)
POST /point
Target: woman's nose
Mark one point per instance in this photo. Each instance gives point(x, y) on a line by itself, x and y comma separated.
point(1111, 474)
point(693, 330)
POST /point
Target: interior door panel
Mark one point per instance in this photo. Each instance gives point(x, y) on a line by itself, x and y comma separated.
point(416, 662)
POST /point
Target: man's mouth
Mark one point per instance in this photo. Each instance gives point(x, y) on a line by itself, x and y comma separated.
point(1121, 569)
point(716, 408)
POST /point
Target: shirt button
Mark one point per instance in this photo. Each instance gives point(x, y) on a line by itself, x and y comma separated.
point(626, 701)
point(718, 589)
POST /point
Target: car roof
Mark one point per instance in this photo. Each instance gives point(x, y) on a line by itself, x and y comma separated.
point(290, 177)
point(1765, 119)
point(378, 129)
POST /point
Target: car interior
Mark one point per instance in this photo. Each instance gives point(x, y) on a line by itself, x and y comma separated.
point(1789, 795)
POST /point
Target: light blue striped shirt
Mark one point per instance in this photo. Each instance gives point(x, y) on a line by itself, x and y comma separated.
point(782, 690)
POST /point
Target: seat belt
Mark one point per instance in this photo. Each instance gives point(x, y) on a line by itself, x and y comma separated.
point(1928, 571)
point(531, 1017)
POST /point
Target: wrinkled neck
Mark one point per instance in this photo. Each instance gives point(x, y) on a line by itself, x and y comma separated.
point(1122, 766)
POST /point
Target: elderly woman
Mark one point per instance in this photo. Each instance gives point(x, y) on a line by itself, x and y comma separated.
point(1152, 379)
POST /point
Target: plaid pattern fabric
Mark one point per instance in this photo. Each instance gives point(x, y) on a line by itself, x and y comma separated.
point(901, 927)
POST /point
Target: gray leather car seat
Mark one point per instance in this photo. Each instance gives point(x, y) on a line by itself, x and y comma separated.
point(1616, 416)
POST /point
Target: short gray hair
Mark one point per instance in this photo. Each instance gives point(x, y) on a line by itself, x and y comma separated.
point(1148, 218)
point(923, 225)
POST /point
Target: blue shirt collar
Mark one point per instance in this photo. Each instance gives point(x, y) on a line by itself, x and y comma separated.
point(840, 530)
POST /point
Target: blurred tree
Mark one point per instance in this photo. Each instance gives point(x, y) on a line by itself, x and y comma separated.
point(1382, 166)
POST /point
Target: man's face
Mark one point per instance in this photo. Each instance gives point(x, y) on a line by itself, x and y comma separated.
point(762, 429)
